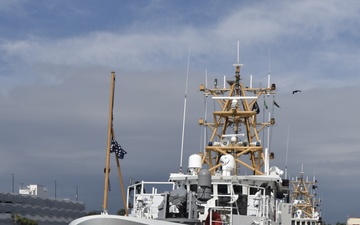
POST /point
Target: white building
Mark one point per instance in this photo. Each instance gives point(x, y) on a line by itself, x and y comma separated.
point(34, 189)
point(353, 221)
point(33, 203)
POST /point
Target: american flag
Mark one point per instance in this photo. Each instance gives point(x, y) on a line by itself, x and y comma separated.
point(115, 147)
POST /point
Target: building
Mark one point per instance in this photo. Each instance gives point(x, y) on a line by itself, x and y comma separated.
point(34, 189)
point(32, 203)
point(353, 221)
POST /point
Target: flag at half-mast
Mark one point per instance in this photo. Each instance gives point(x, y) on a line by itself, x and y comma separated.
point(116, 147)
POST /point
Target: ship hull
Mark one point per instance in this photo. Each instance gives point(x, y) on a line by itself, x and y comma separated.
point(106, 219)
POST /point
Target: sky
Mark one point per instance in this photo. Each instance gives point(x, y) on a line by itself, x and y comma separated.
point(56, 58)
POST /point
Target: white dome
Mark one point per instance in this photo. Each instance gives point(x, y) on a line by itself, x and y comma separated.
point(228, 163)
point(194, 161)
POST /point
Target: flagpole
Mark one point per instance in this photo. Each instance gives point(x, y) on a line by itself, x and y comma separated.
point(107, 164)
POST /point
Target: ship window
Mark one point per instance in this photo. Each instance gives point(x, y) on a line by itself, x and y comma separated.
point(222, 189)
point(193, 187)
point(237, 189)
point(253, 190)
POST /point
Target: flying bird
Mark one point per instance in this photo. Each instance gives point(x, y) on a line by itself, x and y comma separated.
point(296, 91)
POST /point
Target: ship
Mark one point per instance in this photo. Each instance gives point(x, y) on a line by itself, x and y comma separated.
point(229, 182)
point(305, 204)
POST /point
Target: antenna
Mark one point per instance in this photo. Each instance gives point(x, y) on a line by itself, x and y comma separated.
point(302, 168)
point(267, 159)
point(269, 61)
point(184, 115)
point(205, 116)
point(238, 52)
point(238, 55)
point(266, 162)
point(250, 81)
point(287, 150)
point(269, 71)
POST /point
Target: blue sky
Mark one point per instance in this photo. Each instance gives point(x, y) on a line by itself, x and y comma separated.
point(55, 64)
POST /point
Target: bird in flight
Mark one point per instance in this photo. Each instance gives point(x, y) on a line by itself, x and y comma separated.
point(296, 91)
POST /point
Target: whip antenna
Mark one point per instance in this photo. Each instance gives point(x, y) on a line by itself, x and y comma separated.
point(184, 115)
point(287, 151)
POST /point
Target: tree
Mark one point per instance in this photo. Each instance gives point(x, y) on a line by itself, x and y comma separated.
point(121, 212)
point(338, 223)
point(24, 221)
point(94, 212)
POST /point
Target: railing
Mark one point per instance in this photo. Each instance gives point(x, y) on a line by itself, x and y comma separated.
point(143, 204)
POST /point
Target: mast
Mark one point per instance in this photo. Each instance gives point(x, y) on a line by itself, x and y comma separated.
point(235, 129)
point(110, 125)
point(303, 196)
point(110, 138)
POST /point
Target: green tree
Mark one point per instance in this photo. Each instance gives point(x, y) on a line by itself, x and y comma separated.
point(121, 212)
point(94, 212)
point(24, 221)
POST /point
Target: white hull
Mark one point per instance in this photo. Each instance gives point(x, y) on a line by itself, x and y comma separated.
point(106, 219)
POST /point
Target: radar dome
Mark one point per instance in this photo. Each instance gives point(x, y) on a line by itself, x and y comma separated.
point(228, 163)
point(194, 163)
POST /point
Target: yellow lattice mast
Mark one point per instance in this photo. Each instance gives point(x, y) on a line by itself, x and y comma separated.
point(235, 129)
point(302, 197)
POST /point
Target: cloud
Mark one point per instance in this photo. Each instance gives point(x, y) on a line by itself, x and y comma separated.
point(311, 23)
point(12, 6)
